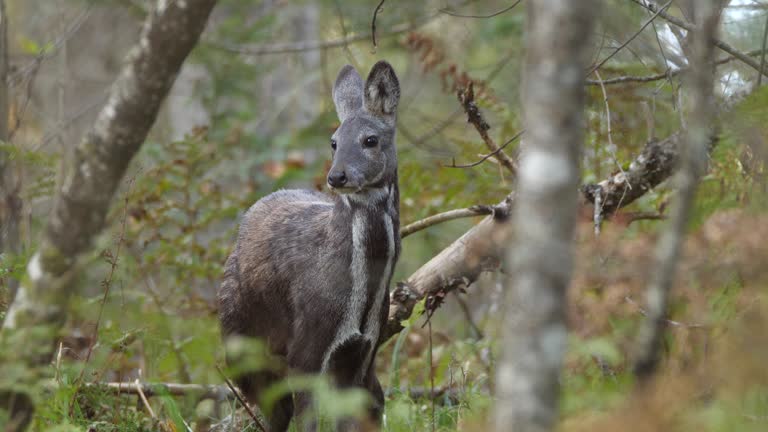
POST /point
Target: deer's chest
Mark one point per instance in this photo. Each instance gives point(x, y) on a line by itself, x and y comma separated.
point(373, 256)
point(372, 260)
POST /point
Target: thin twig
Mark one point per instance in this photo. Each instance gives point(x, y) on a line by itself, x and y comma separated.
point(491, 154)
point(57, 375)
point(468, 315)
point(437, 129)
point(638, 216)
point(241, 400)
point(611, 145)
point(637, 33)
point(661, 50)
point(431, 373)
point(668, 74)
point(597, 213)
point(373, 23)
point(310, 45)
point(106, 285)
point(137, 385)
point(673, 323)
point(506, 9)
point(218, 392)
point(54, 47)
point(636, 79)
point(762, 56)
point(344, 34)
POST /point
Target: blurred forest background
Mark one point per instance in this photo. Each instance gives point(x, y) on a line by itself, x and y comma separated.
point(251, 112)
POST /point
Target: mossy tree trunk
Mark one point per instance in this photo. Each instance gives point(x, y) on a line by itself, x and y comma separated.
point(10, 202)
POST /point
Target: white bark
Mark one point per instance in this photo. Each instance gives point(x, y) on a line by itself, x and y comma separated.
point(534, 334)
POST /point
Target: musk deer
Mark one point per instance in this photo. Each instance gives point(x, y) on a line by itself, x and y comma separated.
point(310, 272)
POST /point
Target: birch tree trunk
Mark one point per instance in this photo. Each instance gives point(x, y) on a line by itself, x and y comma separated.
point(693, 164)
point(171, 31)
point(543, 219)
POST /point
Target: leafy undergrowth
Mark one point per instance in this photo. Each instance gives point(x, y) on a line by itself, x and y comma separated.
point(713, 376)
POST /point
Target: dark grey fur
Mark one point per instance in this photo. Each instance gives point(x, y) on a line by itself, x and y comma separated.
point(298, 262)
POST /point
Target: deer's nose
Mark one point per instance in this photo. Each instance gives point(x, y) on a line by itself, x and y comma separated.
point(337, 179)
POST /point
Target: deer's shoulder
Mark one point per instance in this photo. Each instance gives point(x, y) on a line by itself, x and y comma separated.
point(288, 213)
point(285, 202)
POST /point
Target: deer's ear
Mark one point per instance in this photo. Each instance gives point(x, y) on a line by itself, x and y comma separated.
point(348, 92)
point(382, 91)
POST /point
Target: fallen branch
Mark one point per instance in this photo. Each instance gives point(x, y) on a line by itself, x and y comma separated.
point(216, 392)
point(456, 266)
point(655, 164)
point(224, 392)
point(480, 248)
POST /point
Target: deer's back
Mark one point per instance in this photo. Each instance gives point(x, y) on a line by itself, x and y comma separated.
point(281, 274)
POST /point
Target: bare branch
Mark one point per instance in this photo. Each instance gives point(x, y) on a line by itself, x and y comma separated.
point(664, 75)
point(373, 23)
point(744, 58)
point(477, 210)
point(762, 55)
point(311, 45)
point(631, 38)
point(506, 9)
point(636, 79)
point(475, 117)
point(489, 155)
point(54, 47)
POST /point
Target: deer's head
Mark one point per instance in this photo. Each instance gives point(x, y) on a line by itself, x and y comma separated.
point(364, 153)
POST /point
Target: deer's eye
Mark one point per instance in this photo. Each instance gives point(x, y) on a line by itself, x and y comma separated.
point(371, 141)
point(333, 143)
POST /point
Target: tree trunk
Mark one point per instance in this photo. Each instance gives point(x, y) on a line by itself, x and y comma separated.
point(534, 336)
point(171, 31)
point(692, 167)
point(10, 202)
